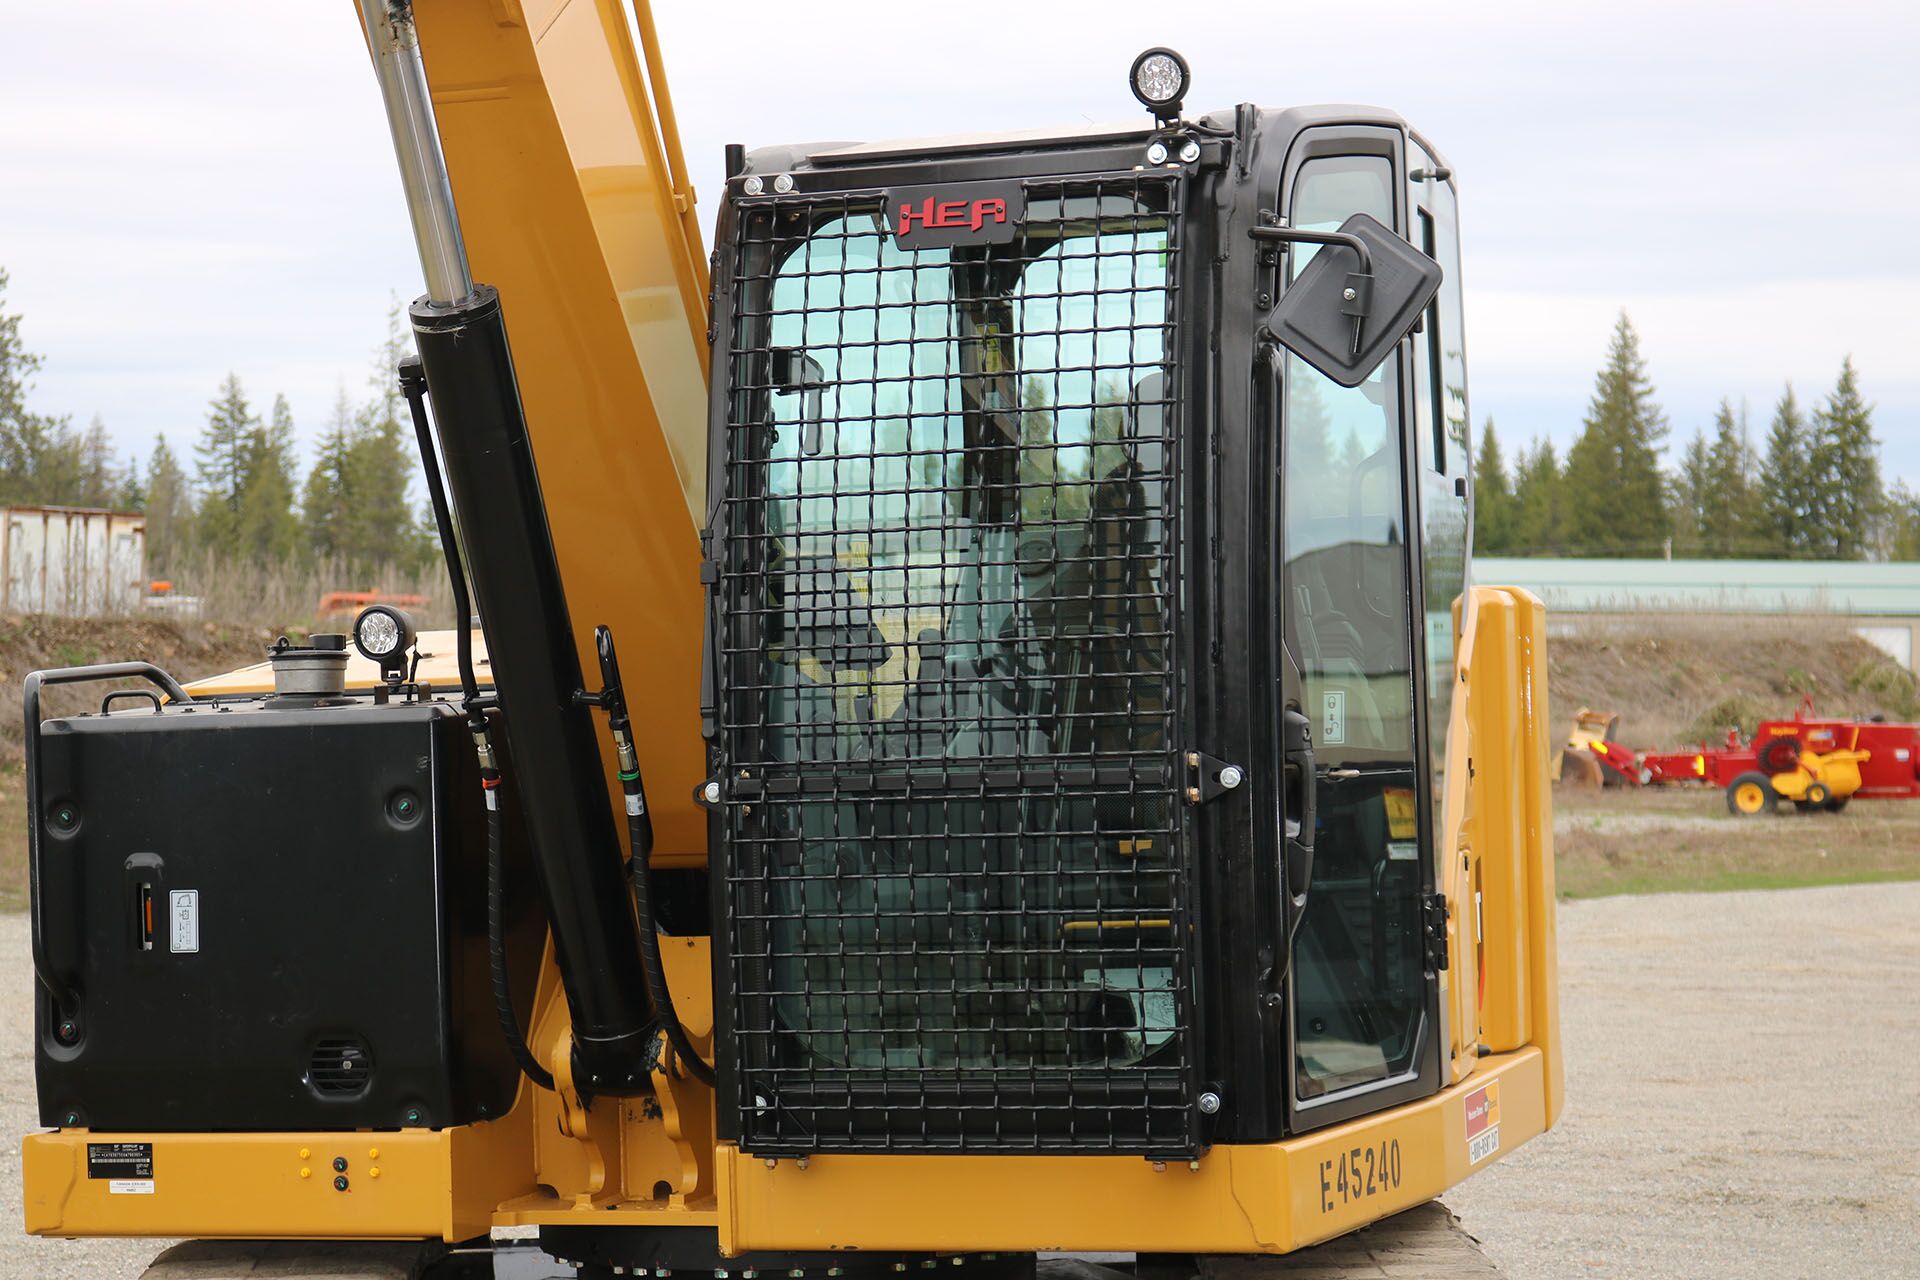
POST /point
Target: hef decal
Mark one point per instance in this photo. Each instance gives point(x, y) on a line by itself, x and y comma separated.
point(956, 214)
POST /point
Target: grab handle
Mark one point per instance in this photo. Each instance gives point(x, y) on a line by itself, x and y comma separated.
point(1302, 784)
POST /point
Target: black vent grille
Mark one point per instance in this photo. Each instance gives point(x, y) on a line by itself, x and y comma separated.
point(340, 1068)
point(959, 891)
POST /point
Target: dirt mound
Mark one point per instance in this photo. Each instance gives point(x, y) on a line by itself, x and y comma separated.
point(189, 650)
point(1674, 680)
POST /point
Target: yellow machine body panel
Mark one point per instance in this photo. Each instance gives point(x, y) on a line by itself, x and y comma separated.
point(569, 208)
point(543, 1164)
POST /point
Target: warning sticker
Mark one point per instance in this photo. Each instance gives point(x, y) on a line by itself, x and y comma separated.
point(120, 1160)
point(1403, 817)
point(1483, 1122)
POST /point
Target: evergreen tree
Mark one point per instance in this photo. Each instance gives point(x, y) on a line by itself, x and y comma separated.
point(1615, 464)
point(1540, 505)
point(327, 500)
point(1494, 507)
point(223, 455)
point(169, 508)
point(1903, 523)
point(266, 530)
point(98, 479)
point(1727, 518)
point(1692, 489)
point(1851, 501)
point(1786, 482)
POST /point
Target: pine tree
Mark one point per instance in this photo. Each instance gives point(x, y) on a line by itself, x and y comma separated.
point(1727, 518)
point(1494, 507)
point(266, 530)
point(98, 480)
point(1903, 523)
point(169, 509)
point(1616, 460)
point(1847, 470)
point(1540, 506)
point(18, 426)
point(327, 499)
point(222, 457)
point(387, 529)
point(1692, 488)
point(1786, 482)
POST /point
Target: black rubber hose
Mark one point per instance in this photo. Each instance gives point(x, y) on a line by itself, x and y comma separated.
point(640, 832)
point(413, 385)
point(497, 951)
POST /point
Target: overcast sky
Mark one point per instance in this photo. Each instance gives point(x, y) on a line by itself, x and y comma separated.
point(188, 189)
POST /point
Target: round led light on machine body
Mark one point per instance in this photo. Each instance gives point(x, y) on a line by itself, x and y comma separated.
point(383, 634)
point(1159, 79)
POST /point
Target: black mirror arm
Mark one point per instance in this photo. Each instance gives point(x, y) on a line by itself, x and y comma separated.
point(1357, 297)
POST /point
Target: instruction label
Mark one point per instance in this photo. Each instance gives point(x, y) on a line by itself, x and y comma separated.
point(1333, 716)
point(183, 920)
point(1483, 1122)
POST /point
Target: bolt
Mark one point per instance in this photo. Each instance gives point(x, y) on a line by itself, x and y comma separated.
point(1231, 776)
point(753, 186)
point(69, 1031)
point(1189, 151)
point(1159, 1166)
point(1209, 1103)
point(1193, 795)
point(413, 1115)
point(1157, 153)
point(1348, 294)
point(340, 1183)
point(339, 1164)
point(1263, 299)
point(72, 1119)
point(783, 185)
point(711, 793)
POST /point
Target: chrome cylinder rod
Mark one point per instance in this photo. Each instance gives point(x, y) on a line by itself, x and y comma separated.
point(416, 144)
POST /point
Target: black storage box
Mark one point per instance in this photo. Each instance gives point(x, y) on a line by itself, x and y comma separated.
point(274, 917)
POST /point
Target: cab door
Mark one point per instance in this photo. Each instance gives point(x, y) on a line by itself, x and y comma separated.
point(1362, 991)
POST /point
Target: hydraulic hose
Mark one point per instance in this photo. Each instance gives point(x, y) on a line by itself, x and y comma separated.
point(497, 947)
point(640, 831)
point(613, 700)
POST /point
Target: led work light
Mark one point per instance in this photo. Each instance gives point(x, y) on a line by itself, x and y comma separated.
point(1159, 79)
point(383, 634)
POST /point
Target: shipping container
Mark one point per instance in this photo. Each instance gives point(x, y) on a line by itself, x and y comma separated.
point(78, 561)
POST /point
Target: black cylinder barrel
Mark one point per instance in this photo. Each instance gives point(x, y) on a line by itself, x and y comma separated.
point(536, 671)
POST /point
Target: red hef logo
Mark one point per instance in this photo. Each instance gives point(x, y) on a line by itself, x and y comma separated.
point(970, 214)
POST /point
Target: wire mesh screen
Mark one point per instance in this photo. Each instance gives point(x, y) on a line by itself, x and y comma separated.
point(958, 892)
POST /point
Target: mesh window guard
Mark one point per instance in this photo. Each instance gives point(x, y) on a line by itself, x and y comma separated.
point(959, 893)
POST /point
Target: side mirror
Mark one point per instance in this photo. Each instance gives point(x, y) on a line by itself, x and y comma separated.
point(1358, 297)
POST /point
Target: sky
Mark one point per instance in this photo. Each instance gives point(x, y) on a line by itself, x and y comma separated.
point(188, 190)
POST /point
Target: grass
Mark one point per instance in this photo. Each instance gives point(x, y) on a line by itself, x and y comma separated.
point(1682, 840)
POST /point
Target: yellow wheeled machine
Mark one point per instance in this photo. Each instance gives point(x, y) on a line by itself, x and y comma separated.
point(983, 740)
point(1810, 779)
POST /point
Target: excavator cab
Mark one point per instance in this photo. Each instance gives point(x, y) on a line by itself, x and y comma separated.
point(1031, 531)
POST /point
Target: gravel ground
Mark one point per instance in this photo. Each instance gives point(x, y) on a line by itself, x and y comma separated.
point(1743, 1098)
point(1743, 1093)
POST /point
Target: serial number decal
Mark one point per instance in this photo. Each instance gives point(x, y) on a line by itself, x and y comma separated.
point(1483, 1122)
point(1359, 1172)
point(120, 1160)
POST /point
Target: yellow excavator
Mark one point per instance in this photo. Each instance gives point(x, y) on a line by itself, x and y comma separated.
point(978, 738)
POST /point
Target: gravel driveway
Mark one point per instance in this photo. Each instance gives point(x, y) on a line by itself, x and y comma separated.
point(1743, 1084)
point(1743, 1093)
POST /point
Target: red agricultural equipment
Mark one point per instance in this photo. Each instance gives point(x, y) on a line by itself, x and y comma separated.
point(1809, 759)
